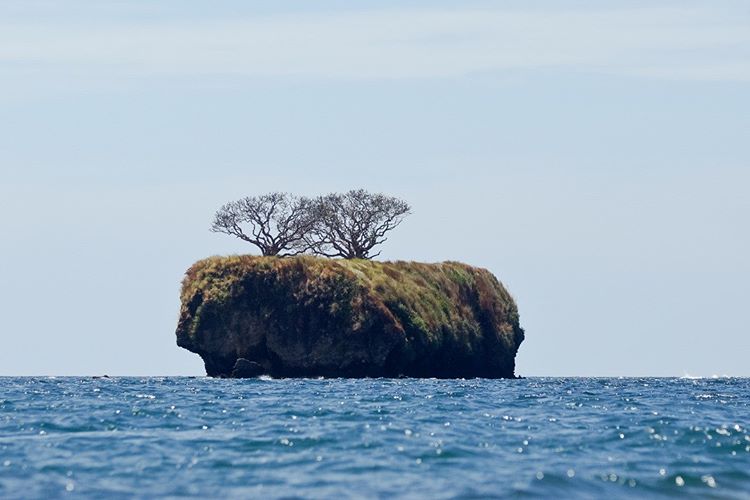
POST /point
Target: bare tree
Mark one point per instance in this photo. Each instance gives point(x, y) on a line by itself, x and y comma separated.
point(277, 223)
point(350, 225)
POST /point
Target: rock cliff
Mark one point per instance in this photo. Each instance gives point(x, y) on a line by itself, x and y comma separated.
point(308, 316)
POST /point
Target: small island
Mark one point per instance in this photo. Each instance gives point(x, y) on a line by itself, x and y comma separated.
point(337, 313)
point(307, 316)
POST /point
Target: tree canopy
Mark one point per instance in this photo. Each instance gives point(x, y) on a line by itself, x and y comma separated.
point(348, 225)
point(277, 223)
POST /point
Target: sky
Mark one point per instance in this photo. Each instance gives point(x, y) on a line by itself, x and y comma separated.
point(595, 157)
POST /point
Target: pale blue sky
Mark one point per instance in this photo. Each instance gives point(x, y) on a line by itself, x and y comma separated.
point(596, 159)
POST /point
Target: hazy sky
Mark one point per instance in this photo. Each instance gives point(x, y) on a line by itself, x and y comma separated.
point(596, 159)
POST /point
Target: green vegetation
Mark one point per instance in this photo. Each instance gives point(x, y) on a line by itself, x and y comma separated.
point(433, 297)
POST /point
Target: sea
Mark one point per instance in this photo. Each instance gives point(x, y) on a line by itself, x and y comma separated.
point(177, 437)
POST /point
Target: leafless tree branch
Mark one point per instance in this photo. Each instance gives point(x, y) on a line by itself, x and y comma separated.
point(276, 223)
point(350, 225)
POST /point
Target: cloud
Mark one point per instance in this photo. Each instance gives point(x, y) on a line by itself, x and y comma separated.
point(681, 43)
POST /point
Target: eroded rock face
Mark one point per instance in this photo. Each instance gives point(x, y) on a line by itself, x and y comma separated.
point(244, 368)
point(307, 316)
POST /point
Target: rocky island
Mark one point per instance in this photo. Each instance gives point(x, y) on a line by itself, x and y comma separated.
point(306, 316)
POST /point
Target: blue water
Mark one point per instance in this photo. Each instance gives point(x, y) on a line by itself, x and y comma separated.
point(376, 438)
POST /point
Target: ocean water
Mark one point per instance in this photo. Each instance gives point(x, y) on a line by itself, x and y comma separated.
point(374, 438)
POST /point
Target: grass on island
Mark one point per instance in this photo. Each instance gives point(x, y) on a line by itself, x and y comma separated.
point(426, 298)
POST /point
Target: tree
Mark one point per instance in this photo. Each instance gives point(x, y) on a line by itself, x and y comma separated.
point(350, 225)
point(277, 223)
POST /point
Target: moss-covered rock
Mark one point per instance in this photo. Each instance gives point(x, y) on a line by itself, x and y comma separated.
point(308, 316)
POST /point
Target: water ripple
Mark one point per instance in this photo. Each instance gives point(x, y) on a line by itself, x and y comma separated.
point(588, 438)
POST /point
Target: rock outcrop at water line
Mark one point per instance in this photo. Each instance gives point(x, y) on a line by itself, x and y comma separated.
point(308, 316)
